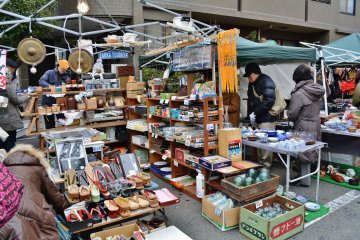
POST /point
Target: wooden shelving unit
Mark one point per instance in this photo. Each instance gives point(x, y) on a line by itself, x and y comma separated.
point(180, 168)
point(32, 111)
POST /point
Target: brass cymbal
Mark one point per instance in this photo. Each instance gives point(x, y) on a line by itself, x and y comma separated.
point(31, 51)
point(86, 61)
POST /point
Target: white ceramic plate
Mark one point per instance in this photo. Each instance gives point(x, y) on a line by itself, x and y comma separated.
point(273, 139)
point(165, 169)
point(260, 135)
point(311, 206)
point(160, 163)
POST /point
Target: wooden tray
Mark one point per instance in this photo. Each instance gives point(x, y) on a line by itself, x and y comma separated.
point(252, 190)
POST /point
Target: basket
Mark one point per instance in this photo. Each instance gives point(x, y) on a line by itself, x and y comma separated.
point(252, 190)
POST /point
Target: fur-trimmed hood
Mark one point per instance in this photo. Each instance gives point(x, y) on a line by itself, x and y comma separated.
point(26, 154)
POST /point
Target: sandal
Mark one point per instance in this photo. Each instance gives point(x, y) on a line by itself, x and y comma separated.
point(146, 178)
point(73, 192)
point(96, 214)
point(109, 175)
point(124, 205)
point(134, 205)
point(89, 174)
point(95, 194)
point(112, 207)
point(143, 202)
point(73, 216)
point(84, 192)
point(84, 214)
point(116, 170)
point(82, 179)
point(139, 182)
point(151, 197)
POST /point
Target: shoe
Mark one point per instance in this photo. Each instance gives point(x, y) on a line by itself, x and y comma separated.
point(139, 182)
point(84, 192)
point(113, 208)
point(298, 184)
point(95, 193)
point(146, 178)
point(73, 192)
point(143, 202)
point(96, 214)
point(134, 205)
point(124, 206)
point(73, 216)
point(151, 197)
point(109, 175)
point(84, 214)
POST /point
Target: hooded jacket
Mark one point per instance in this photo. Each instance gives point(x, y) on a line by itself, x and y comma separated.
point(10, 119)
point(34, 218)
point(304, 110)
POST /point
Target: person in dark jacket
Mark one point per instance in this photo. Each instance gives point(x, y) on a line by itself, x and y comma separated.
point(55, 77)
point(304, 111)
point(261, 85)
point(232, 102)
point(34, 218)
point(10, 119)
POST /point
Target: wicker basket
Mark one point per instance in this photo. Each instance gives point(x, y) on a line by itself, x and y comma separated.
point(252, 190)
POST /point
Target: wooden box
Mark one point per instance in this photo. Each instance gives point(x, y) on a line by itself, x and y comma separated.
point(252, 190)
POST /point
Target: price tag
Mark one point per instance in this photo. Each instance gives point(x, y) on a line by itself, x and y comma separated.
point(164, 157)
point(87, 140)
point(176, 164)
point(161, 101)
point(218, 211)
point(186, 102)
point(97, 149)
point(166, 101)
point(259, 204)
point(173, 98)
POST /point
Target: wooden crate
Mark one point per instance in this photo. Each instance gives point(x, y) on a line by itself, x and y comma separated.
point(252, 190)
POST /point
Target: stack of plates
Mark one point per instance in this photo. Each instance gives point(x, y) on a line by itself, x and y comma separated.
point(159, 164)
point(166, 170)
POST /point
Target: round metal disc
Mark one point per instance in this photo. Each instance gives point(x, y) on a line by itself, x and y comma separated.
point(86, 61)
point(31, 51)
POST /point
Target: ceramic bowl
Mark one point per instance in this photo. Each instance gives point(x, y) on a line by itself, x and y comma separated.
point(260, 135)
point(352, 129)
point(311, 206)
point(252, 137)
point(273, 139)
point(290, 195)
point(301, 199)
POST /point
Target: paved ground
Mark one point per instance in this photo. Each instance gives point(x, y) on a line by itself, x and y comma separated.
point(343, 223)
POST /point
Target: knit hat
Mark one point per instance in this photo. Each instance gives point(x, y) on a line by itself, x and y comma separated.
point(64, 64)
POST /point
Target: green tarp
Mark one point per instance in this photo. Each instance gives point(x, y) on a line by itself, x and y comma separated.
point(264, 54)
point(343, 51)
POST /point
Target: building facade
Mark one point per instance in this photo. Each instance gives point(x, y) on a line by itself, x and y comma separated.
point(286, 21)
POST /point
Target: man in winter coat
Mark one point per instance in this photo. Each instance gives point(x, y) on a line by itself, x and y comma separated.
point(35, 218)
point(304, 111)
point(261, 85)
point(10, 119)
point(53, 77)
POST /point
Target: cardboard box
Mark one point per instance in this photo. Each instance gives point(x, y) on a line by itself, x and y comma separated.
point(123, 81)
point(214, 162)
point(284, 226)
point(230, 143)
point(126, 230)
point(226, 220)
point(133, 86)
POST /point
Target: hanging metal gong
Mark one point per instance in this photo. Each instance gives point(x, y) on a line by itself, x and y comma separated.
point(86, 61)
point(31, 51)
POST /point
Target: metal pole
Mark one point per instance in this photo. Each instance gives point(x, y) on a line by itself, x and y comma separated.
point(59, 28)
point(13, 22)
point(100, 21)
point(3, 3)
point(145, 35)
point(141, 77)
point(57, 17)
point(323, 79)
point(160, 8)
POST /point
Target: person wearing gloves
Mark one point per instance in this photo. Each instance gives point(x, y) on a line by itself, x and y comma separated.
point(261, 85)
point(304, 111)
point(10, 119)
point(54, 77)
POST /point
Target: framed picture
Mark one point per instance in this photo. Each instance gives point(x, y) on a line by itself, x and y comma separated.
point(129, 164)
point(70, 154)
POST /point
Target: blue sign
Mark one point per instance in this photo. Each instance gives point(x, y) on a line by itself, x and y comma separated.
point(113, 55)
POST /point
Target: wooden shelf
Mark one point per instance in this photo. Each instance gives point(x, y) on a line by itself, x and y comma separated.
point(92, 125)
point(191, 191)
point(137, 145)
point(23, 114)
point(185, 165)
point(77, 92)
point(159, 176)
point(159, 116)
